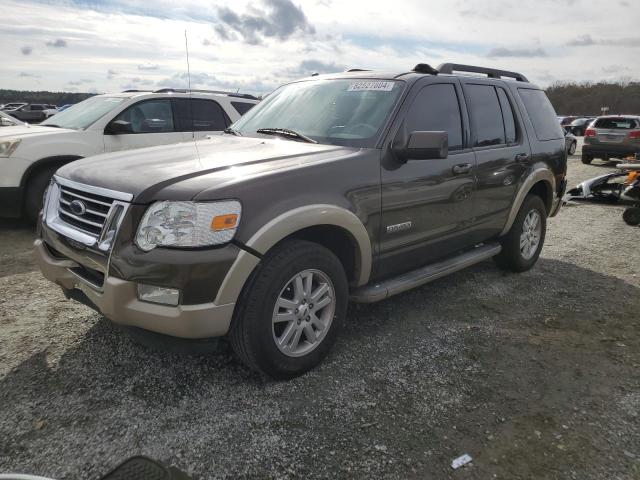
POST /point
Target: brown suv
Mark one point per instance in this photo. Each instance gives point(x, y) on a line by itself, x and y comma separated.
point(354, 186)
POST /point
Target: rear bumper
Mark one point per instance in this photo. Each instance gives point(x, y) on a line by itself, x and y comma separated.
point(612, 150)
point(117, 300)
point(10, 202)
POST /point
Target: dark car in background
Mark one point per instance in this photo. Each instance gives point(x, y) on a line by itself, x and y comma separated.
point(579, 125)
point(31, 112)
point(615, 136)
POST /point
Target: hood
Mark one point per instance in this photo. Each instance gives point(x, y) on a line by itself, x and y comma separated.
point(26, 131)
point(147, 172)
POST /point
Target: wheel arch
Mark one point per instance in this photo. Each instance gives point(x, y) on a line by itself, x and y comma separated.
point(35, 167)
point(330, 222)
point(540, 182)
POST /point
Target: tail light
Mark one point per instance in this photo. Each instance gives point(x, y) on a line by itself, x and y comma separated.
point(634, 134)
point(590, 132)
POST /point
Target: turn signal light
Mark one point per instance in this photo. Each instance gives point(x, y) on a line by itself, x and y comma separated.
point(224, 222)
point(590, 132)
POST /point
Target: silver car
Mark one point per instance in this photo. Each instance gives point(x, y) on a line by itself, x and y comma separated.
point(613, 136)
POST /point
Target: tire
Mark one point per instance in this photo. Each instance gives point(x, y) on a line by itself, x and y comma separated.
point(586, 159)
point(254, 331)
point(513, 257)
point(572, 148)
point(631, 216)
point(34, 192)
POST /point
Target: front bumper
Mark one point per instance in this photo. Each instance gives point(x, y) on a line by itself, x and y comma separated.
point(10, 202)
point(117, 300)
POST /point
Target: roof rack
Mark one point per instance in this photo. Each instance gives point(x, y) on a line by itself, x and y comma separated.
point(425, 68)
point(185, 90)
point(489, 72)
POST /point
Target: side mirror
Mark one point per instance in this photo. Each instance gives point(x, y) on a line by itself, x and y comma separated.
point(5, 122)
point(423, 146)
point(119, 127)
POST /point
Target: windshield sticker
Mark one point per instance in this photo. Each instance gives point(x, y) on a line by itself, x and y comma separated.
point(371, 86)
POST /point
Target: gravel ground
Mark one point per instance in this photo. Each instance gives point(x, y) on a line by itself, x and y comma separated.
point(535, 375)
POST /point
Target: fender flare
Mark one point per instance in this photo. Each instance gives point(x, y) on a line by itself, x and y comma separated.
point(57, 159)
point(286, 224)
point(539, 174)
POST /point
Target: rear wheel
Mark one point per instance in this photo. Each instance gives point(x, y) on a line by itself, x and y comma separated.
point(34, 193)
point(586, 159)
point(522, 245)
point(572, 148)
point(631, 216)
point(291, 310)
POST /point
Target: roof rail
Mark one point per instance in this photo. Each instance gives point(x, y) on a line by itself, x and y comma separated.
point(134, 90)
point(489, 72)
point(230, 94)
point(358, 70)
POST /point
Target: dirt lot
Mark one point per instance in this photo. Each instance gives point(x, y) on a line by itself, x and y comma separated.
point(534, 375)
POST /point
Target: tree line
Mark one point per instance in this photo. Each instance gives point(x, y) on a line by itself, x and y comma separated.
point(588, 98)
point(568, 98)
point(53, 98)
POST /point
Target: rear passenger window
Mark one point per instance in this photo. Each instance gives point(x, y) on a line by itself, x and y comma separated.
point(242, 107)
point(486, 115)
point(507, 115)
point(201, 116)
point(436, 109)
point(541, 114)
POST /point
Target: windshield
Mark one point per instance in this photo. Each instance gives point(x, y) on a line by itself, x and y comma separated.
point(338, 112)
point(83, 114)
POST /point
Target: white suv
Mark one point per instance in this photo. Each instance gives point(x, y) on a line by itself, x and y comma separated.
point(30, 154)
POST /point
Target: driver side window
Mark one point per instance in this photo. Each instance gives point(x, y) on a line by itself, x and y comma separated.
point(436, 108)
point(149, 116)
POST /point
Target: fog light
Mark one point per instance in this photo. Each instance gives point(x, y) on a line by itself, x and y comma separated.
point(153, 294)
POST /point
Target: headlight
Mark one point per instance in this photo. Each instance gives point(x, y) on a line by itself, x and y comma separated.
point(7, 147)
point(188, 224)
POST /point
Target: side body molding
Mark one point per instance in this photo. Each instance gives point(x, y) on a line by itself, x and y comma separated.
point(286, 224)
point(539, 174)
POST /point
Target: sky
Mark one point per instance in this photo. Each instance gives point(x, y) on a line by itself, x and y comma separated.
point(254, 46)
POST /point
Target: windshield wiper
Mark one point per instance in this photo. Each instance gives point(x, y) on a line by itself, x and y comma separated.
point(286, 133)
point(232, 131)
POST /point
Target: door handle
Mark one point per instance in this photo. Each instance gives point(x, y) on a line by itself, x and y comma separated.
point(462, 168)
point(521, 158)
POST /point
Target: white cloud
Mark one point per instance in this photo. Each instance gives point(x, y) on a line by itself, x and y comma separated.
point(115, 43)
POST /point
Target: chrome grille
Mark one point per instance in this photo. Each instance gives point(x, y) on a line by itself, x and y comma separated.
point(86, 214)
point(95, 211)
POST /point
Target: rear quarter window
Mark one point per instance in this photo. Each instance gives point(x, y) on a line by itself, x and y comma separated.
point(541, 113)
point(242, 107)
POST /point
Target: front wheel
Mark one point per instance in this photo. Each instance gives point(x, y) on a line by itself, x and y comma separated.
point(522, 245)
point(572, 148)
point(291, 310)
point(34, 193)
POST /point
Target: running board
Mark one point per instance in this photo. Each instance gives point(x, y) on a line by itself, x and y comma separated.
point(415, 278)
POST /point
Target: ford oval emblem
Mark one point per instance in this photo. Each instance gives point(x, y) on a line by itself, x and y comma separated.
point(77, 207)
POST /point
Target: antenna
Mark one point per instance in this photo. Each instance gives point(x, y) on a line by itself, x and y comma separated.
point(186, 47)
